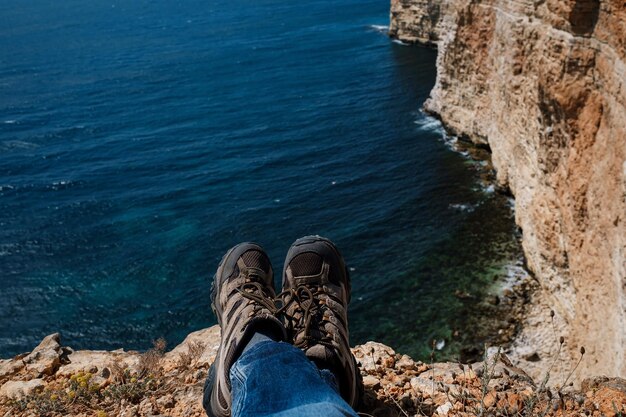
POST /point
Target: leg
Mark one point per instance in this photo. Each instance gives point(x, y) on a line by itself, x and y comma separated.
point(316, 293)
point(253, 372)
point(242, 297)
point(276, 379)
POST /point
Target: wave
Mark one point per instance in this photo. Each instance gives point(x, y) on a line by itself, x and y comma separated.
point(511, 202)
point(468, 208)
point(399, 42)
point(430, 124)
point(61, 185)
point(7, 248)
point(17, 144)
point(10, 122)
point(513, 274)
point(380, 28)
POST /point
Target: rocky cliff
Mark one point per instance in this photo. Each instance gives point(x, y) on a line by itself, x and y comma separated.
point(543, 84)
point(54, 380)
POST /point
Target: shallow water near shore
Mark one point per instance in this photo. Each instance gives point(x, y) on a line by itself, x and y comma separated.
point(140, 140)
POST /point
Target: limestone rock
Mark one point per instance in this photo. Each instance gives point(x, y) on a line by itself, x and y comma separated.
point(373, 355)
point(200, 347)
point(166, 402)
point(19, 389)
point(45, 359)
point(543, 84)
point(443, 410)
point(10, 367)
point(86, 360)
point(371, 381)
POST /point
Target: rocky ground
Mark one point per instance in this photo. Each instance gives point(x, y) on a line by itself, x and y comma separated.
point(54, 380)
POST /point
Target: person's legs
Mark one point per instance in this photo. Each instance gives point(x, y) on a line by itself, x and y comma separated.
point(276, 379)
point(254, 374)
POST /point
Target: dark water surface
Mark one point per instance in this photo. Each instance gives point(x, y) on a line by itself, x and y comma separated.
point(140, 140)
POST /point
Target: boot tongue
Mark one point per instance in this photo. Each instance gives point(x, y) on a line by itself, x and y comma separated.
point(309, 280)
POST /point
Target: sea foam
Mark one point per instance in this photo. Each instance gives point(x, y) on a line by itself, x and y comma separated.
point(380, 28)
point(429, 124)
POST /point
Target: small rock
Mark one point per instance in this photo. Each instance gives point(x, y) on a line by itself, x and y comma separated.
point(405, 362)
point(45, 359)
point(20, 389)
point(443, 409)
point(146, 407)
point(129, 412)
point(514, 401)
point(389, 362)
point(105, 373)
point(167, 401)
point(370, 381)
point(490, 399)
point(492, 351)
point(421, 385)
point(98, 380)
point(532, 357)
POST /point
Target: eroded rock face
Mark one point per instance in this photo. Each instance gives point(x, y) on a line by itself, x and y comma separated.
point(419, 20)
point(543, 83)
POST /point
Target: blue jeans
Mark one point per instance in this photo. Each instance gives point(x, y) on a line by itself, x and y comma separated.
point(277, 379)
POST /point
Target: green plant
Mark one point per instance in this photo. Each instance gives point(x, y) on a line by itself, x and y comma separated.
point(132, 387)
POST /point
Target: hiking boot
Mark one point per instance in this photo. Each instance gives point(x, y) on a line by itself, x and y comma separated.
point(242, 298)
point(316, 293)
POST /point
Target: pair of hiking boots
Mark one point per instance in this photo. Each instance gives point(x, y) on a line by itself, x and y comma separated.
point(311, 312)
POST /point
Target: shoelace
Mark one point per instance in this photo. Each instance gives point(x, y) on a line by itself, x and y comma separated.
point(254, 290)
point(309, 306)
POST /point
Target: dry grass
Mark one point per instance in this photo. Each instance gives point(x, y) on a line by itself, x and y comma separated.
point(189, 359)
point(150, 361)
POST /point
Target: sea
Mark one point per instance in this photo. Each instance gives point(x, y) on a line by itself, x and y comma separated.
point(140, 140)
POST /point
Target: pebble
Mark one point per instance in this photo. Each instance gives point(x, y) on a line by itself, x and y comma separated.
point(371, 381)
point(444, 409)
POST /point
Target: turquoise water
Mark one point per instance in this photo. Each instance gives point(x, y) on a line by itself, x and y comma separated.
point(140, 140)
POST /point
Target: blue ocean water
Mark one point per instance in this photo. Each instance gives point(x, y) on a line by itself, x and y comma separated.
point(139, 140)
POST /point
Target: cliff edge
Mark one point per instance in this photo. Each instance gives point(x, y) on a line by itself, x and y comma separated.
point(54, 380)
point(543, 84)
